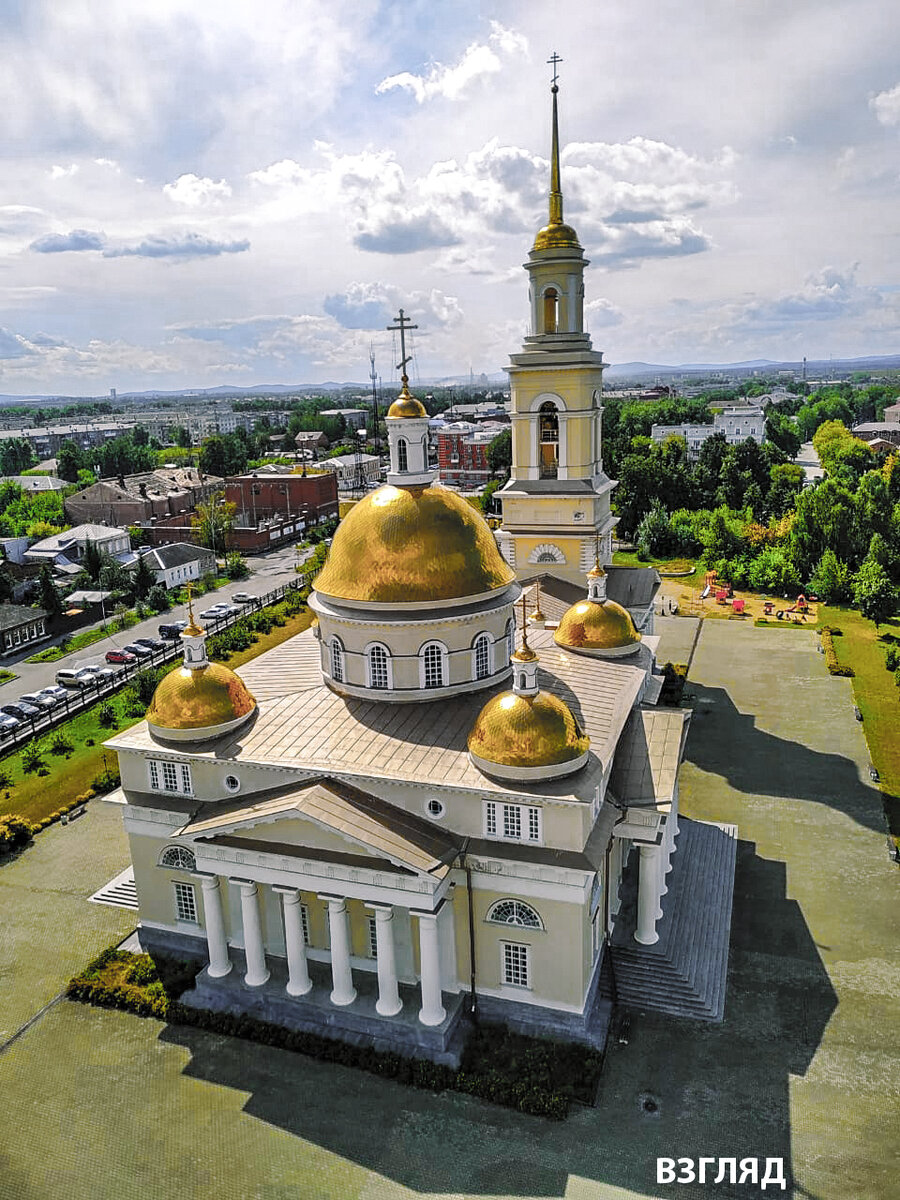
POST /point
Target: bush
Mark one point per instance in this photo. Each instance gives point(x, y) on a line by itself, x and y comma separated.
point(61, 745)
point(106, 782)
point(15, 832)
point(32, 759)
point(235, 566)
point(106, 715)
point(891, 661)
point(158, 598)
point(6, 780)
point(831, 658)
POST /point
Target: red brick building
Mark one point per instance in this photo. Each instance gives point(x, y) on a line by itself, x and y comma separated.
point(462, 454)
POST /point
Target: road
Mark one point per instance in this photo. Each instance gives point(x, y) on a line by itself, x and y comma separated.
point(269, 571)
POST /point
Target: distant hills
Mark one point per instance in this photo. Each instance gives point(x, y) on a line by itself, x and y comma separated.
point(815, 369)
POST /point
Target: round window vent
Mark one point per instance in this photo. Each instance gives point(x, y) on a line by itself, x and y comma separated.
point(435, 809)
point(232, 783)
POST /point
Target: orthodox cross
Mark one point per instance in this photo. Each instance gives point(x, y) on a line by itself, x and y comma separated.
point(553, 60)
point(402, 323)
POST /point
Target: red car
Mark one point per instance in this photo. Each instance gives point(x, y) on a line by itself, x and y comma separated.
point(120, 656)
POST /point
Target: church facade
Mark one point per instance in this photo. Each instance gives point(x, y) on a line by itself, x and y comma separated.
point(441, 800)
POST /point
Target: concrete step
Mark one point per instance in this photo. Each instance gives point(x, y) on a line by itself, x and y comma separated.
point(119, 892)
point(685, 972)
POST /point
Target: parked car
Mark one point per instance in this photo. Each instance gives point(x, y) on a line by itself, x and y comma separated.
point(120, 656)
point(55, 693)
point(231, 610)
point(8, 724)
point(152, 644)
point(243, 598)
point(138, 650)
point(21, 711)
point(104, 674)
point(216, 613)
point(172, 630)
point(37, 699)
point(67, 677)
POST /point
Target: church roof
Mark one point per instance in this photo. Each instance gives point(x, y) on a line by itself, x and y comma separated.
point(645, 768)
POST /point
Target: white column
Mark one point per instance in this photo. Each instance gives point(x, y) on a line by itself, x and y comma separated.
point(389, 1002)
point(257, 971)
point(343, 992)
point(219, 962)
point(299, 982)
point(648, 897)
point(432, 1011)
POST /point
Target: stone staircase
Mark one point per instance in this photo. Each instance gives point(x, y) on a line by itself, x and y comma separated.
point(685, 973)
point(119, 892)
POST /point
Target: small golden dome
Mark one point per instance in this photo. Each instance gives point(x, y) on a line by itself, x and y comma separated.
point(406, 406)
point(203, 700)
point(528, 734)
point(556, 236)
point(524, 654)
point(412, 545)
point(601, 626)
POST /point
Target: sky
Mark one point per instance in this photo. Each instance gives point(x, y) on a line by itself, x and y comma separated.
point(198, 193)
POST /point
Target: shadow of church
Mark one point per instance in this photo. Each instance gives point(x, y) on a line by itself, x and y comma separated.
point(724, 741)
point(715, 1090)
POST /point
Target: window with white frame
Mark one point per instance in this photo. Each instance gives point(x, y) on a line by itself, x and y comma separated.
point(373, 937)
point(433, 665)
point(515, 964)
point(377, 661)
point(512, 822)
point(178, 856)
point(170, 777)
point(185, 902)
point(337, 660)
point(514, 912)
point(482, 656)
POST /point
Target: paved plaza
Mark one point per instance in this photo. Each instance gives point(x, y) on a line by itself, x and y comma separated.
point(99, 1105)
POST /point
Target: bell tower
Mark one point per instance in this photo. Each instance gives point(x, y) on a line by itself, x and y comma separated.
point(556, 503)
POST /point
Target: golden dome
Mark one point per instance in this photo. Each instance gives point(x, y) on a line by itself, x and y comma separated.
point(524, 654)
point(412, 545)
point(599, 626)
point(555, 236)
point(528, 733)
point(201, 700)
point(406, 406)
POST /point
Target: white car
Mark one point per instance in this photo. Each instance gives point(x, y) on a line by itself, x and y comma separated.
point(8, 724)
point(243, 598)
point(55, 693)
point(38, 698)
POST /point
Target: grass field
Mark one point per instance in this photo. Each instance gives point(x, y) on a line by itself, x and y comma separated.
point(629, 558)
point(876, 695)
point(79, 642)
point(35, 796)
point(6, 676)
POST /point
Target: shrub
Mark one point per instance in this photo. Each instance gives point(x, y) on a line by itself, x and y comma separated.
point(61, 745)
point(158, 598)
point(32, 759)
point(891, 661)
point(106, 715)
point(15, 831)
point(6, 779)
point(831, 658)
point(106, 782)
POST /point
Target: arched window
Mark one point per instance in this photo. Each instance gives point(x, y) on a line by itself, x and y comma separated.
point(482, 652)
point(378, 667)
point(177, 856)
point(548, 419)
point(402, 455)
point(514, 912)
point(337, 660)
point(551, 311)
point(433, 656)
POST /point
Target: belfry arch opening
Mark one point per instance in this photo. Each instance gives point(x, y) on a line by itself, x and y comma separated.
point(551, 311)
point(548, 436)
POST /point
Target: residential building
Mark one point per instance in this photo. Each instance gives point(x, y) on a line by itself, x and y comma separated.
point(737, 424)
point(313, 441)
point(886, 431)
point(349, 469)
point(67, 548)
point(132, 499)
point(36, 483)
point(178, 563)
point(268, 493)
point(355, 418)
point(22, 626)
point(462, 453)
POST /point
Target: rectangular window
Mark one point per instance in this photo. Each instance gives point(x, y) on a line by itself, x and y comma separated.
point(512, 821)
point(516, 966)
point(534, 824)
point(373, 938)
point(185, 902)
point(304, 922)
point(170, 777)
point(490, 818)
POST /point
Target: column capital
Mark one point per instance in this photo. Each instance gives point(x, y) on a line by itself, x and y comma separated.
point(291, 894)
point(380, 909)
point(425, 913)
point(206, 878)
point(243, 883)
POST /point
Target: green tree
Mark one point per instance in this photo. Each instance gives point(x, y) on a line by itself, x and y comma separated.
point(16, 456)
point(214, 520)
point(499, 453)
point(214, 456)
point(143, 579)
point(874, 594)
point(782, 432)
point(158, 598)
point(114, 577)
point(51, 600)
point(69, 461)
point(787, 482)
point(182, 436)
point(92, 561)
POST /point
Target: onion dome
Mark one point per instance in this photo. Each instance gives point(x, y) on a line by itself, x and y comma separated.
point(598, 626)
point(527, 733)
point(406, 406)
point(199, 700)
point(405, 546)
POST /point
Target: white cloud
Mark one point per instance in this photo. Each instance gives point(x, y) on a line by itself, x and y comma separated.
point(195, 191)
point(58, 172)
point(886, 106)
point(449, 83)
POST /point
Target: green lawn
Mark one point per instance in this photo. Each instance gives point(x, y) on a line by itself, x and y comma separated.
point(6, 676)
point(79, 642)
point(629, 558)
point(876, 695)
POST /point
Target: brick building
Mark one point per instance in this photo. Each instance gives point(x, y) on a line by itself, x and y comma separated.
point(133, 499)
point(462, 453)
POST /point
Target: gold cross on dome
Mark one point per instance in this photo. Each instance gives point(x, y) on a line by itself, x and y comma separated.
point(402, 323)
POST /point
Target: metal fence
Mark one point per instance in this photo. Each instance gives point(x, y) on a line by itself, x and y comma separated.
point(77, 700)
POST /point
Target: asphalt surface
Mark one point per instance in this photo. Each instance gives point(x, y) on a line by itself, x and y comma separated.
point(268, 571)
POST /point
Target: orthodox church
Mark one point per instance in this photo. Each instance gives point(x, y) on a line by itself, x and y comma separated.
point(455, 795)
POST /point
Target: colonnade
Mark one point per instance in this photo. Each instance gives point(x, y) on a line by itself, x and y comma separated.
point(343, 992)
point(655, 864)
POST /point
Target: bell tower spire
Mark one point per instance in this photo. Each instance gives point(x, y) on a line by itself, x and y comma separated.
point(556, 199)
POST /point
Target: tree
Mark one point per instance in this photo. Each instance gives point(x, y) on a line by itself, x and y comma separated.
point(50, 597)
point(782, 432)
point(182, 436)
point(874, 594)
point(158, 598)
point(92, 561)
point(499, 453)
point(214, 520)
point(213, 456)
point(140, 435)
point(69, 461)
point(144, 579)
point(114, 577)
point(16, 456)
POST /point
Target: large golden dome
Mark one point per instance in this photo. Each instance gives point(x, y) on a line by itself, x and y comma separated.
point(555, 236)
point(197, 704)
point(600, 627)
point(518, 735)
point(412, 545)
